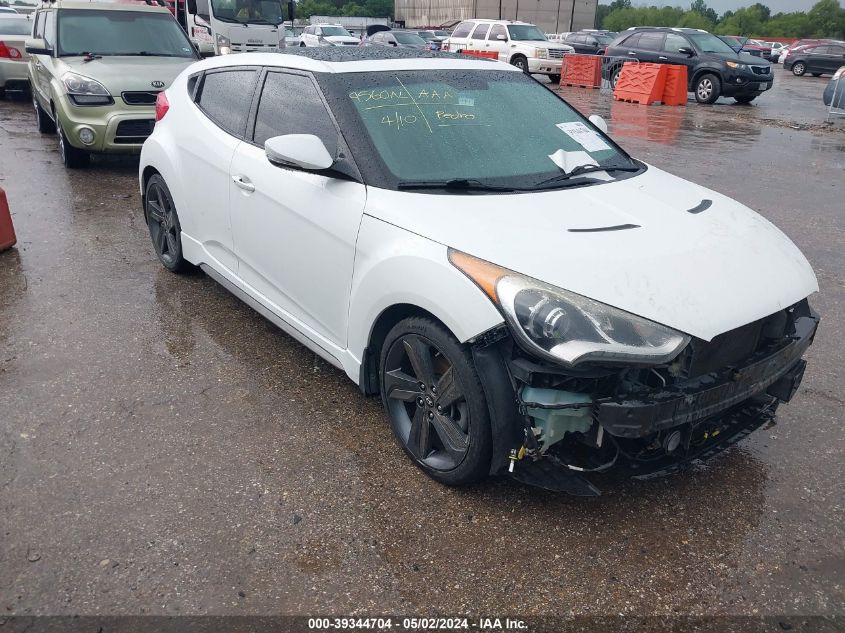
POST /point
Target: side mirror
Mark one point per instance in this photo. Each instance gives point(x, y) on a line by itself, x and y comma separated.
point(393, 43)
point(37, 47)
point(599, 122)
point(298, 150)
point(685, 50)
point(501, 38)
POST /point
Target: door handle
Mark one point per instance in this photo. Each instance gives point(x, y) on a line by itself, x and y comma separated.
point(243, 183)
point(661, 58)
point(631, 53)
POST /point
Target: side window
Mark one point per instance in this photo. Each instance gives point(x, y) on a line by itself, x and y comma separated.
point(633, 41)
point(463, 29)
point(674, 42)
point(819, 50)
point(496, 31)
point(291, 104)
point(480, 32)
point(50, 28)
point(38, 26)
point(225, 97)
point(836, 50)
point(651, 41)
point(591, 41)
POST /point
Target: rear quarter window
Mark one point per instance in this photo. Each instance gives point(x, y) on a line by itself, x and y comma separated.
point(463, 29)
point(224, 96)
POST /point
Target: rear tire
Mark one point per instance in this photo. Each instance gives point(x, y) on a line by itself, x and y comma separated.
point(798, 69)
point(614, 77)
point(434, 400)
point(555, 79)
point(163, 224)
point(707, 88)
point(72, 157)
point(43, 122)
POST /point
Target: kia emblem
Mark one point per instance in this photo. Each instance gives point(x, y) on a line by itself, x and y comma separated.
point(158, 84)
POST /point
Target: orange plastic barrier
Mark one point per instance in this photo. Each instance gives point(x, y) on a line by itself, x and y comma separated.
point(583, 71)
point(640, 83)
point(675, 88)
point(7, 231)
point(484, 54)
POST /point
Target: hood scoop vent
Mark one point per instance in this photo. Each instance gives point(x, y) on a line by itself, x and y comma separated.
point(701, 206)
point(602, 229)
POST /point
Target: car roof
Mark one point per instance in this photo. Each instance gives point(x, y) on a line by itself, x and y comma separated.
point(115, 5)
point(489, 21)
point(337, 59)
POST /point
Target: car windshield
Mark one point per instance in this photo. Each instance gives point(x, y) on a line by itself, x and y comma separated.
point(335, 30)
point(248, 11)
point(15, 26)
point(112, 32)
point(494, 127)
point(525, 32)
point(409, 38)
point(708, 43)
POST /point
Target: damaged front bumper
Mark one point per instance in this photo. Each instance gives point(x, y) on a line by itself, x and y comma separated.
point(700, 398)
point(639, 430)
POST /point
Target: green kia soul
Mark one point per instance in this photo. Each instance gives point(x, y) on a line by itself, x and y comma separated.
point(96, 68)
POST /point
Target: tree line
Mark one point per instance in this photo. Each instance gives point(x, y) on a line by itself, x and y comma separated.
point(825, 19)
point(361, 8)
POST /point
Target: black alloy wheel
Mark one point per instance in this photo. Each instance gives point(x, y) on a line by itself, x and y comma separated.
point(163, 223)
point(435, 402)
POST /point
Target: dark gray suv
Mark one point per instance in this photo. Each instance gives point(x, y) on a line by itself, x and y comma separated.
point(714, 68)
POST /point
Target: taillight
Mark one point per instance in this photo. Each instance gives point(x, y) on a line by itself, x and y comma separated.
point(162, 105)
point(9, 52)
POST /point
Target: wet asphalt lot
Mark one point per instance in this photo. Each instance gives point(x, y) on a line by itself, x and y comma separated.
point(164, 450)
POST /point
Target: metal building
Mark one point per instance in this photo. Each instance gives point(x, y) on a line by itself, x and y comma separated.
point(552, 16)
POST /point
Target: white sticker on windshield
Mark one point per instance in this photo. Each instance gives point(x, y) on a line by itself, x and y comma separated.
point(466, 101)
point(584, 136)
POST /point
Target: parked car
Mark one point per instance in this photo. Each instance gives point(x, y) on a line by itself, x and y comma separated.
point(437, 35)
point(515, 346)
point(817, 59)
point(588, 42)
point(7, 10)
point(517, 43)
point(834, 92)
point(327, 35)
point(714, 68)
point(96, 69)
point(400, 39)
point(745, 45)
point(775, 50)
point(14, 30)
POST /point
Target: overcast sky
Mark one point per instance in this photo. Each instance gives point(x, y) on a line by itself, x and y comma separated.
point(723, 5)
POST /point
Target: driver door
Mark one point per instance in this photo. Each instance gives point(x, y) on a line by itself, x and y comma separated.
point(295, 230)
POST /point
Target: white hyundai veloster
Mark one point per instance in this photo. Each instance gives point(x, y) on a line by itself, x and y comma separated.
point(524, 295)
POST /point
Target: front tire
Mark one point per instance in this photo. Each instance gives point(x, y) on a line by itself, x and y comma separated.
point(43, 122)
point(799, 68)
point(434, 399)
point(520, 62)
point(72, 157)
point(707, 88)
point(163, 223)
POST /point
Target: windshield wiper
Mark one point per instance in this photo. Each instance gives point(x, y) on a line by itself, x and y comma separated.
point(459, 184)
point(224, 18)
point(258, 21)
point(582, 170)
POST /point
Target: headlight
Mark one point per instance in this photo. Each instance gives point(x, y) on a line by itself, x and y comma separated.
point(736, 65)
point(224, 44)
point(567, 327)
point(84, 91)
point(541, 53)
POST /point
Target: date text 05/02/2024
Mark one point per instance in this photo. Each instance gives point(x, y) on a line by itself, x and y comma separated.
point(483, 624)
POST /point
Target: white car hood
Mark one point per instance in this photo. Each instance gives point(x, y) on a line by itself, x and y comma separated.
point(701, 273)
point(341, 39)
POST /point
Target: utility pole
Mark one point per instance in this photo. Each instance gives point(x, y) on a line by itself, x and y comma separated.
point(572, 16)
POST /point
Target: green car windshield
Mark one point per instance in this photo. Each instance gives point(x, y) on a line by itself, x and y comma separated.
point(110, 32)
point(495, 127)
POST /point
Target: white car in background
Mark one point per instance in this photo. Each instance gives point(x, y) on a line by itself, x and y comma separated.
point(564, 308)
point(518, 43)
point(327, 35)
